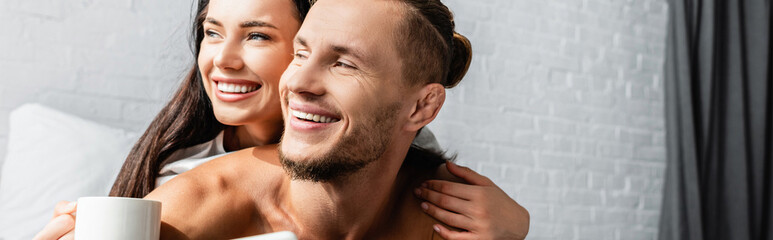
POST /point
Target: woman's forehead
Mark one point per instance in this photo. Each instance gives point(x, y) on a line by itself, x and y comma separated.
point(279, 13)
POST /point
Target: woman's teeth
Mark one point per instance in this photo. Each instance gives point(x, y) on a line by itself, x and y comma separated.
point(236, 88)
point(314, 117)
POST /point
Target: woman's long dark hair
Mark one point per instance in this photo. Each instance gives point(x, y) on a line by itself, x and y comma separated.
point(187, 120)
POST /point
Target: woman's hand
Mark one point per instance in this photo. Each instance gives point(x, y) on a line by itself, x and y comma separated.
point(481, 209)
point(62, 223)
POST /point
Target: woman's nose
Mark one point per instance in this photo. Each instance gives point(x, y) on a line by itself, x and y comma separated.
point(230, 56)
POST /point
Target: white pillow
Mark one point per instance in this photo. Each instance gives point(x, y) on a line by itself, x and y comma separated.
point(53, 156)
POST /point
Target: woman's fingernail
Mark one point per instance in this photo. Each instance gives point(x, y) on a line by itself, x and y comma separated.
point(417, 191)
point(437, 229)
point(71, 205)
point(424, 184)
point(424, 206)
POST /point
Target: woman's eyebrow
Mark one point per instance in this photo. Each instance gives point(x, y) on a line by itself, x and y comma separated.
point(245, 24)
point(255, 23)
point(213, 21)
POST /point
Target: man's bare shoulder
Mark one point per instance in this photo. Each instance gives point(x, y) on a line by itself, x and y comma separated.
point(228, 172)
point(217, 199)
point(442, 173)
point(409, 221)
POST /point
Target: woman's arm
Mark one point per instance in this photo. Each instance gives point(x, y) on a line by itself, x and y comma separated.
point(480, 208)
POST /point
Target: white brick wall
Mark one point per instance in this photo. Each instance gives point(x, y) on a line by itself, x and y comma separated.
point(115, 62)
point(562, 107)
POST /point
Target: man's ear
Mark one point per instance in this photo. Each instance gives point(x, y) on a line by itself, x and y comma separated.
point(427, 106)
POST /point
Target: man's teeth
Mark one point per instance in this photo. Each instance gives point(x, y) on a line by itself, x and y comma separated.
point(313, 117)
point(236, 88)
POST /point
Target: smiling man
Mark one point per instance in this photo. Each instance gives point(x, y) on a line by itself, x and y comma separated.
point(367, 75)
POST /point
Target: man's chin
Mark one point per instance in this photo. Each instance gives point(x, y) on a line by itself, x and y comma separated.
point(319, 170)
point(301, 146)
point(320, 167)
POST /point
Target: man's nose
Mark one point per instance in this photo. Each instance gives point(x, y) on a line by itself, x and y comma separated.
point(230, 56)
point(307, 79)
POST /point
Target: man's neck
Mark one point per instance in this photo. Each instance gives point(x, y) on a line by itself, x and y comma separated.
point(351, 207)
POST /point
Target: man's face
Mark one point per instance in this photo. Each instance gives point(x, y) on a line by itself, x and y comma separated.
point(341, 95)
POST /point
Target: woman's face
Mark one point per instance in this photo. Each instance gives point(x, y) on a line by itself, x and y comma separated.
point(247, 45)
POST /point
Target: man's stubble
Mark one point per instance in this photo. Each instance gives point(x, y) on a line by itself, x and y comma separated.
point(365, 144)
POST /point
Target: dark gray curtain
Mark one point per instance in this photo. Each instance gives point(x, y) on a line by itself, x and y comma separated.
point(718, 119)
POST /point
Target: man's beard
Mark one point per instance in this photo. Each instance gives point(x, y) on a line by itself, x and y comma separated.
point(352, 152)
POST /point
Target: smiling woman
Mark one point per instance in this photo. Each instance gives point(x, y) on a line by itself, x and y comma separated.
point(245, 47)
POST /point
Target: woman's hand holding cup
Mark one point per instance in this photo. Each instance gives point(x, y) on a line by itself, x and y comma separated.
point(62, 224)
point(104, 218)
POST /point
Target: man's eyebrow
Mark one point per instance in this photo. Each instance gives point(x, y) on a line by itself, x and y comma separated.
point(344, 50)
point(340, 49)
point(302, 41)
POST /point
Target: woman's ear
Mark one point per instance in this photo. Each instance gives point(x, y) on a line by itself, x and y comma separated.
point(427, 106)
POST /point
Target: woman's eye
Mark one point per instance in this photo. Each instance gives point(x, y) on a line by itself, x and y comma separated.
point(258, 37)
point(211, 33)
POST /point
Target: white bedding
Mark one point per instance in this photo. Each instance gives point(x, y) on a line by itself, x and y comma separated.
point(54, 156)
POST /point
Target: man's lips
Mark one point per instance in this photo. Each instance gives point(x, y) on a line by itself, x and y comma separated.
point(310, 113)
point(313, 117)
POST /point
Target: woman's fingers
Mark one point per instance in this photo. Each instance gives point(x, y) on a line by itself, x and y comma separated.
point(450, 218)
point(68, 236)
point(451, 234)
point(62, 223)
point(64, 207)
point(444, 201)
point(460, 190)
point(480, 208)
point(468, 174)
point(58, 227)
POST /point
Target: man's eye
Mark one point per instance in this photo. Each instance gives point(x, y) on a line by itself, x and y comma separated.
point(343, 64)
point(258, 37)
point(301, 54)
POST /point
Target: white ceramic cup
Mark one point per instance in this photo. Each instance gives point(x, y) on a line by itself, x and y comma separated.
point(100, 218)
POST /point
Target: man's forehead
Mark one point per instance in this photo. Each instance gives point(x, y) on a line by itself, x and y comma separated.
point(351, 23)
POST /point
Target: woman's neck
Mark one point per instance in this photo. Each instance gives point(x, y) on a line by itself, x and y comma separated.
point(245, 136)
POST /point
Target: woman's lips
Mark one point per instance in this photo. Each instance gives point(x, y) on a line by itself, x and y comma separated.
point(233, 90)
point(236, 88)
